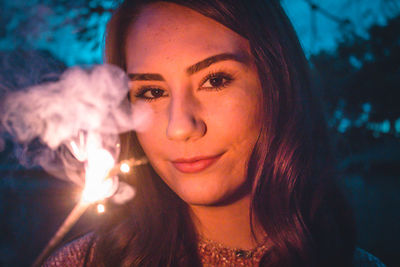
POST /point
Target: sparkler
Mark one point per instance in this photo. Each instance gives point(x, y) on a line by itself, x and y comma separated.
point(97, 112)
point(101, 182)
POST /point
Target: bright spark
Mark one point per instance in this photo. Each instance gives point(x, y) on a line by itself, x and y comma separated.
point(125, 168)
point(77, 152)
point(97, 185)
point(101, 208)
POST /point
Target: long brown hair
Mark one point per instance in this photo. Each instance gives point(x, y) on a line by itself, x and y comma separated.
point(294, 194)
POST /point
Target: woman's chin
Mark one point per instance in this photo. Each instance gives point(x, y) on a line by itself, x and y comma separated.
point(211, 197)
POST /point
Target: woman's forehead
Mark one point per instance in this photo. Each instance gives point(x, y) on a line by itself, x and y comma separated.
point(169, 32)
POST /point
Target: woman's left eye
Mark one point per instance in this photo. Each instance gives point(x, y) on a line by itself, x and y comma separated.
point(216, 80)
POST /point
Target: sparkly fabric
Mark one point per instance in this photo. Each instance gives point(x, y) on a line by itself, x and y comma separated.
point(73, 255)
point(215, 254)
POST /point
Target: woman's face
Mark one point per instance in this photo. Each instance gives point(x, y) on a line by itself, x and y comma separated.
point(200, 80)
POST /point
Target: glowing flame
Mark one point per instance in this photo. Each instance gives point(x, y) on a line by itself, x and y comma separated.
point(101, 208)
point(97, 183)
point(75, 149)
point(78, 149)
point(101, 170)
point(125, 168)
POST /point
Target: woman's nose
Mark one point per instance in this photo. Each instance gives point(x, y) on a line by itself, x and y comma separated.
point(185, 122)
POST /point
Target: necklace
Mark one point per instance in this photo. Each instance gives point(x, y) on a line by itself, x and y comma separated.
point(216, 254)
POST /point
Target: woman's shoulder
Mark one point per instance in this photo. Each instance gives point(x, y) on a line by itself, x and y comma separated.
point(363, 258)
point(73, 253)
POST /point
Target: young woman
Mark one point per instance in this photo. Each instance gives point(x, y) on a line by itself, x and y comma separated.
point(240, 168)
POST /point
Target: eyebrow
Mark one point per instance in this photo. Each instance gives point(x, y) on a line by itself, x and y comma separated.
point(214, 59)
point(205, 63)
point(145, 77)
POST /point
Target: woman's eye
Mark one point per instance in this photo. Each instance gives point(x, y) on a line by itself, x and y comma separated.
point(149, 93)
point(216, 81)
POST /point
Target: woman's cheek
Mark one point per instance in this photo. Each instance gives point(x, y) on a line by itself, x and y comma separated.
point(239, 111)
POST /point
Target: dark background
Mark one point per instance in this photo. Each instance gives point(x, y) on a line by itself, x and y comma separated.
point(353, 48)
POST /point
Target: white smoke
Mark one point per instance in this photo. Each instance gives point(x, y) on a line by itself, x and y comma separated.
point(81, 100)
point(82, 104)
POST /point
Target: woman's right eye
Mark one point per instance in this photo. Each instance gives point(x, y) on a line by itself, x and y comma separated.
point(150, 93)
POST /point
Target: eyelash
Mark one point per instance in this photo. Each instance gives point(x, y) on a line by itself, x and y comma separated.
point(218, 74)
point(212, 74)
point(143, 90)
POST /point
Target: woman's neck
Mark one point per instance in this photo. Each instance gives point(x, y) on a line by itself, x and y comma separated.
point(228, 225)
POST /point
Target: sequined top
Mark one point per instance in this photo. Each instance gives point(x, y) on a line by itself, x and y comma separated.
point(73, 254)
point(216, 254)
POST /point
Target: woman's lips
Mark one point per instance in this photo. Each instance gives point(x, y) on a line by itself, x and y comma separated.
point(193, 165)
